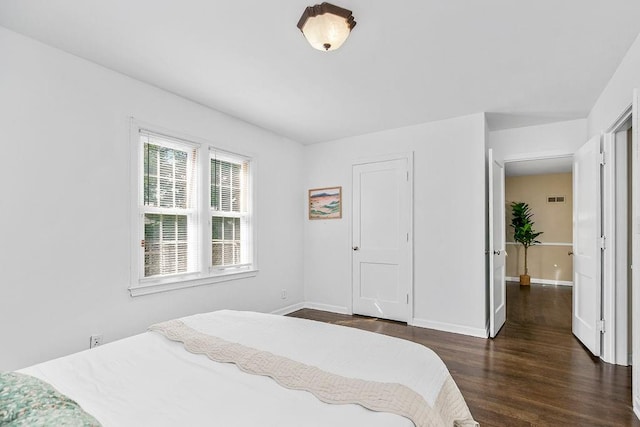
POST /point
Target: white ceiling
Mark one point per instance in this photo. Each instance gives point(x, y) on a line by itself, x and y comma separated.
point(405, 63)
point(539, 167)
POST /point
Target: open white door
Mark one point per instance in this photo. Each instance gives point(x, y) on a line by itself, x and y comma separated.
point(587, 245)
point(382, 243)
point(635, 252)
point(496, 252)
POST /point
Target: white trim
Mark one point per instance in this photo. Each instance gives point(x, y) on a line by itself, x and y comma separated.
point(620, 123)
point(635, 297)
point(420, 323)
point(608, 201)
point(384, 158)
point(543, 281)
point(538, 156)
point(610, 284)
point(326, 307)
point(410, 231)
point(544, 244)
point(289, 309)
point(171, 286)
point(451, 327)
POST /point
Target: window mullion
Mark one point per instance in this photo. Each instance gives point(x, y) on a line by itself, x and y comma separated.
point(205, 207)
point(167, 211)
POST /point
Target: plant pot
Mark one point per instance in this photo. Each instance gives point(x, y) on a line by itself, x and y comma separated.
point(525, 280)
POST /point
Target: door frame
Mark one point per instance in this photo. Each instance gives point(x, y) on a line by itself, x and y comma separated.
point(384, 158)
point(635, 260)
point(609, 311)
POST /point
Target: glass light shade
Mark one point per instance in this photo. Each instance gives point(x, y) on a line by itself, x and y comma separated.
point(326, 32)
point(326, 26)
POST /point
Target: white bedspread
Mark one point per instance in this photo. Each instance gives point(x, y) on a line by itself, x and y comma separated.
point(149, 380)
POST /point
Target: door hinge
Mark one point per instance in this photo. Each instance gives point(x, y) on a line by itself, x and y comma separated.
point(602, 159)
point(407, 237)
point(601, 326)
point(603, 242)
point(407, 298)
point(142, 243)
point(407, 176)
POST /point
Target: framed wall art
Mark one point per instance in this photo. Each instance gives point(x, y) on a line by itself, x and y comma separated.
point(325, 203)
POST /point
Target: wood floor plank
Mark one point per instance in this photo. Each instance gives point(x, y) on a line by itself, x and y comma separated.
point(534, 373)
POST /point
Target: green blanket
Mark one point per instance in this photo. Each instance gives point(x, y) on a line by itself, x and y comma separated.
point(29, 401)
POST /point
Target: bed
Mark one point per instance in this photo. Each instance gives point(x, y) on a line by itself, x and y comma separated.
point(233, 368)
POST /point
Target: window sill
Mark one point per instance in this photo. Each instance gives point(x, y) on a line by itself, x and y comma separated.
point(154, 288)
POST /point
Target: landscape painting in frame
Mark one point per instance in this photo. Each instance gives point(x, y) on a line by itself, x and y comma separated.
point(325, 203)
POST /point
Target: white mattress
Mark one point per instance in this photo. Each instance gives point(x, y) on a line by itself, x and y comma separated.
point(149, 380)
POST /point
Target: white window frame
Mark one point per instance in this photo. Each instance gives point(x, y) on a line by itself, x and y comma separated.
point(247, 217)
point(190, 212)
point(205, 273)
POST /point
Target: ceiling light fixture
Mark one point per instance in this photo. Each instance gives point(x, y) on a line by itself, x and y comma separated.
point(325, 26)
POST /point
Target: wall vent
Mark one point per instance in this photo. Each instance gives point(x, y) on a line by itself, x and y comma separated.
point(556, 199)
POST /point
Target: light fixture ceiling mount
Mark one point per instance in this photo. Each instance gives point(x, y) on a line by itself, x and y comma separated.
point(326, 26)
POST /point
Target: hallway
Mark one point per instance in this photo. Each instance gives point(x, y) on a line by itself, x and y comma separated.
point(534, 373)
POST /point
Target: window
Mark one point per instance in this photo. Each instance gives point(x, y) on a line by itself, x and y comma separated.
point(229, 211)
point(193, 213)
point(168, 206)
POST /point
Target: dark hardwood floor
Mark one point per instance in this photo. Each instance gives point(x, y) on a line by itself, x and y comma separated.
point(534, 373)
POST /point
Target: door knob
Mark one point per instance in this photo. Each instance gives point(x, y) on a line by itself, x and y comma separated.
point(496, 252)
point(355, 248)
point(570, 253)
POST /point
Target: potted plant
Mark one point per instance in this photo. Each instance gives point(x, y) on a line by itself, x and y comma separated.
point(523, 233)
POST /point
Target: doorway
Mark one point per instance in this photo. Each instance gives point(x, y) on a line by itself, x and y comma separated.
point(609, 315)
point(616, 224)
point(546, 185)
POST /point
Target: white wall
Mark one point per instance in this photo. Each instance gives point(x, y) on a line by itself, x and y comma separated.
point(449, 225)
point(618, 94)
point(64, 248)
point(555, 138)
point(612, 102)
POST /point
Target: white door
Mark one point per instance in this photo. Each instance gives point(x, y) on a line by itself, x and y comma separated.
point(381, 239)
point(496, 252)
point(587, 282)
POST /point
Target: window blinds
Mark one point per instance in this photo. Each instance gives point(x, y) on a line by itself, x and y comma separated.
point(167, 205)
point(230, 210)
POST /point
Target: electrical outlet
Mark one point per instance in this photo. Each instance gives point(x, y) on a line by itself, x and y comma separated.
point(95, 340)
point(283, 294)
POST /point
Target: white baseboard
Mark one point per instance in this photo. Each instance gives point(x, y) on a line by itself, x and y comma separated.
point(289, 309)
point(327, 307)
point(451, 327)
point(542, 281)
point(312, 305)
point(421, 323)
